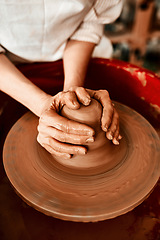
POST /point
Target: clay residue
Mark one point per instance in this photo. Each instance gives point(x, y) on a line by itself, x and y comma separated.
point(130, 69)
point(141, 75)
point(155, 110)
point(118, 67)
point(142, 78)
point(151, 75)
point(143, 98)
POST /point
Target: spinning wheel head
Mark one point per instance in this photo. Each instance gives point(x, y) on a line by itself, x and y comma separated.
point(111, 181)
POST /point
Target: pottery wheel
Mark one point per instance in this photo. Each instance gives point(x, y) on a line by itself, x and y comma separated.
point(56, 190)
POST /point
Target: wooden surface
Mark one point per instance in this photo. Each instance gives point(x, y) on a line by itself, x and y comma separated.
point(19, 221)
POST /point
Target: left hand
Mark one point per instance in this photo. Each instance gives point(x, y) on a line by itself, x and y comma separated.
point(110, 117)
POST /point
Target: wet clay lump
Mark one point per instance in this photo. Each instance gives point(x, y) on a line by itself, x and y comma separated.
point(102, 154)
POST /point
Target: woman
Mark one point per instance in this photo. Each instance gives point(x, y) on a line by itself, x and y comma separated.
point(38, 31)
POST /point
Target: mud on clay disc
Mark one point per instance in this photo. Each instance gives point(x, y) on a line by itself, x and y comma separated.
point(55, 190)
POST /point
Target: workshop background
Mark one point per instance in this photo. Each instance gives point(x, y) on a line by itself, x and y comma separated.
point(136, 34)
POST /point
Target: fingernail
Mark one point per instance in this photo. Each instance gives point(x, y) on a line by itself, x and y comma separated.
point(115, 141)
point(67, 156)
point(90, 133)
point(87, 101)
point(74, 103)
point(119, 137)
point(89, 140)
point(82, 151)
point(109, 136)
point(105, 128)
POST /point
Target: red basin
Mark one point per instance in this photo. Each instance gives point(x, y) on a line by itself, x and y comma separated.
point(126, 83)
point(136, 87)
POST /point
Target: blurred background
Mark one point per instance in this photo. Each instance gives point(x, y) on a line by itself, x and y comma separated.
point(136, 34)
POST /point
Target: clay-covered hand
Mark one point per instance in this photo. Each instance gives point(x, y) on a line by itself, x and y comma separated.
point(60, 136)
point(110, 117)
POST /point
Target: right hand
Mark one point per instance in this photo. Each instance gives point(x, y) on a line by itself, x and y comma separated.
point(58, 135)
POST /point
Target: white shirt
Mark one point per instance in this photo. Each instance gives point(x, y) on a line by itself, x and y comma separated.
point(37, 30)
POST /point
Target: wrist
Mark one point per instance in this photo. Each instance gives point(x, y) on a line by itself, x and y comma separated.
point(75, 60)
point(43, 104)
point(74, 80)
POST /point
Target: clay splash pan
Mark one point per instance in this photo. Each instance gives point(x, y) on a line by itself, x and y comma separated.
point(56, 190)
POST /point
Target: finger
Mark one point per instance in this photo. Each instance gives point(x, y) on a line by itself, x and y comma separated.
point(55, 153)
point(103, 97)
point(63, 124)
point(115, 122)
point(116, 136)
point(65, 148)
point(114, 127)
point(83, 96)
point(70, 99)
point(119, 137)
point(65, 137)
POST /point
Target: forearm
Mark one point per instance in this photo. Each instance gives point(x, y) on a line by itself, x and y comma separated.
point(16, 85)
point(76, 58)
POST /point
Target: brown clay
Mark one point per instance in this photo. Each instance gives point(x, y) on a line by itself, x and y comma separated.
point(119, 180)
point(102, 155)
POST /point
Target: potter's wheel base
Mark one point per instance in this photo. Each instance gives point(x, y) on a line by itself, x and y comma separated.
point(53, 190)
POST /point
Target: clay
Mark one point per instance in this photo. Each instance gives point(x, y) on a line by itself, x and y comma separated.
point(102, 155)
point(82, 193)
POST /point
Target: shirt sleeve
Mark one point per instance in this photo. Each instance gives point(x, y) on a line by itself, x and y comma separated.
point(102, 12)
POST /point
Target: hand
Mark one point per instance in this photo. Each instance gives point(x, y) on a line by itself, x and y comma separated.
point(110, 117)
point(59, 135)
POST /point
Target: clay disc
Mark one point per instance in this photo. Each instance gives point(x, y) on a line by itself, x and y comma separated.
point(56, 191)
